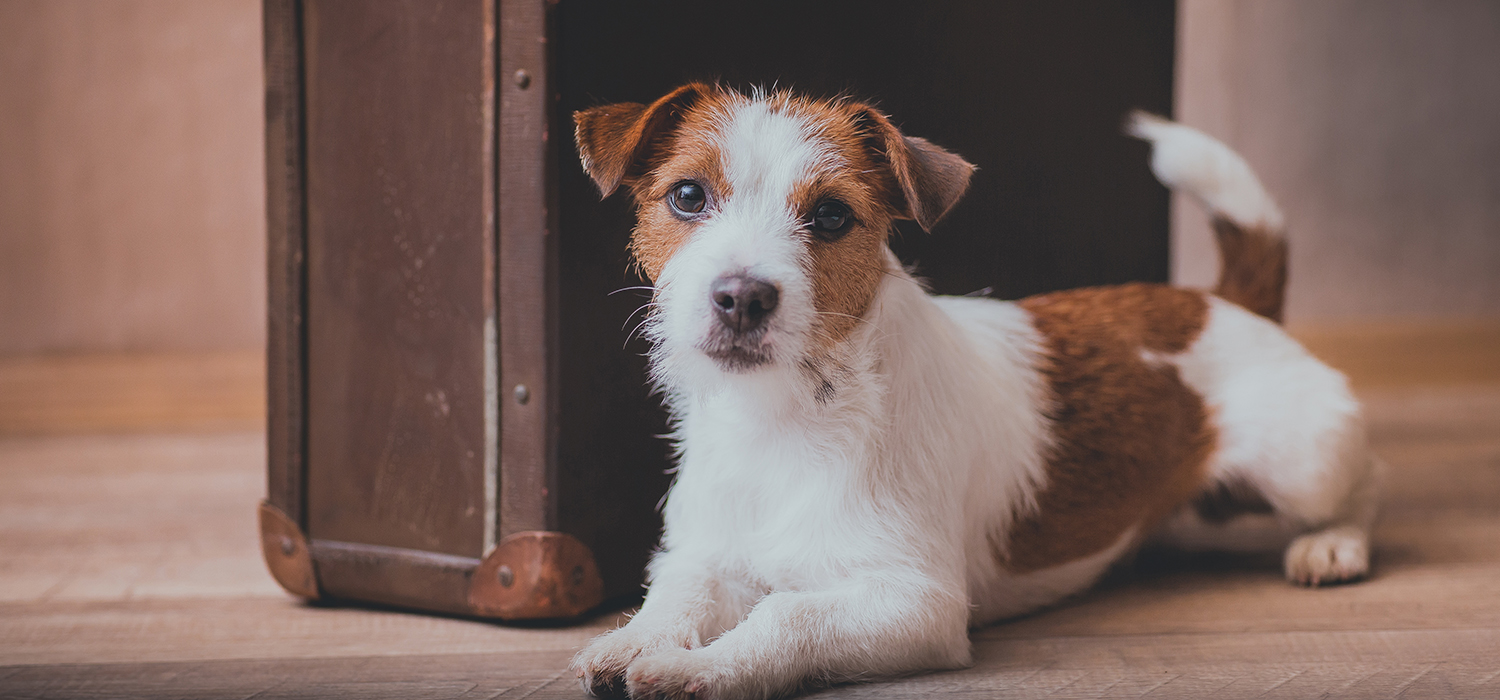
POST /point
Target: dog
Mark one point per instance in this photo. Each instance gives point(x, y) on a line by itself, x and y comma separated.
point(866, 471)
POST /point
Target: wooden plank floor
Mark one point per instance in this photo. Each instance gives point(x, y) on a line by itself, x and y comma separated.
point(129, 568)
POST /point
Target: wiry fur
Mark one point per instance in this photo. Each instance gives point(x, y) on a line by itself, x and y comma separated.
point(849, 507)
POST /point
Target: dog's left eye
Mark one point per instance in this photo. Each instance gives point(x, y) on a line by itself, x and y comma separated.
point(830, 218)
point(687, 199)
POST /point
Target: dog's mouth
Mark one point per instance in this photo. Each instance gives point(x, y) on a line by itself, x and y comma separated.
point(737, 352)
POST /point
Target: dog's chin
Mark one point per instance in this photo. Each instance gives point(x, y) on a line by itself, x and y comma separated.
point(737, 356)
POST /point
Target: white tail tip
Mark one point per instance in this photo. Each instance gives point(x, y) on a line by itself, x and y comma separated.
point(1189, 160)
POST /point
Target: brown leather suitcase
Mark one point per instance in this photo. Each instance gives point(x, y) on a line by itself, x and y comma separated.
point(459, 415)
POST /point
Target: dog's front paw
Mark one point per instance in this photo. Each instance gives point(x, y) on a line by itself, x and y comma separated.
point(601, 665)
point(676, 674)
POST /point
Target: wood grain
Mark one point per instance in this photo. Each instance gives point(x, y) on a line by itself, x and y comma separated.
point(129, 567)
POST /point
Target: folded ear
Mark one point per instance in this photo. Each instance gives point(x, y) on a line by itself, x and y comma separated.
point(614, 141)
point(931, 179)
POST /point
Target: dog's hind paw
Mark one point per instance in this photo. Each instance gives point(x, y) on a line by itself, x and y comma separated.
point(1335, 555)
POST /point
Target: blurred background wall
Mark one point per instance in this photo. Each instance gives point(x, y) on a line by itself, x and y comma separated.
point(1376, 125)
point(132, 194)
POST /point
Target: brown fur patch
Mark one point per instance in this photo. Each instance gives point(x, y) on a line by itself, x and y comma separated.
point(846, 271)
point(1253, 268)
point(689, 154)
point(884, 175)
point(931, 180)
point(1131, 438)
point(685, 152)
point(614, 141)
point(845, 275)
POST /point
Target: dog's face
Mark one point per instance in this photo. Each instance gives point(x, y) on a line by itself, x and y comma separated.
point(762, 219)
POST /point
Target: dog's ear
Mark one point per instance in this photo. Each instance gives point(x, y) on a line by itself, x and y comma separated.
point(615, 140)
point(931, 180)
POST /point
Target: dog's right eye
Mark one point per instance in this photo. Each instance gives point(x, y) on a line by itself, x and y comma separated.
point(830, 219)
point(687, 199)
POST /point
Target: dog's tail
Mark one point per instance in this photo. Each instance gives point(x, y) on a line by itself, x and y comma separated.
point(1252, 241)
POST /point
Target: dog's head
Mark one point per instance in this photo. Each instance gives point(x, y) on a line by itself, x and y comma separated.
point(762, 218)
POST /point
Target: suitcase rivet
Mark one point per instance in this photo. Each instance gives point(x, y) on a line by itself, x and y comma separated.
point(522, 394)
point(522, 78)
point(288, 546)
point(506, 576)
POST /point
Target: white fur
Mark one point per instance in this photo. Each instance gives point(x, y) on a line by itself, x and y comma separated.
point(1186, 159)
point(813, 538)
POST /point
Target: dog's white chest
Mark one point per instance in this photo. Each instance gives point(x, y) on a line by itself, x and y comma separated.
point(786, 507)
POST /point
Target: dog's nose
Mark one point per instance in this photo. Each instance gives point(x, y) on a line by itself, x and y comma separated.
point(743, 302)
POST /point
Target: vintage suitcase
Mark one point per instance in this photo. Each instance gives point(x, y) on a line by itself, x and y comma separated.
point(459, 415)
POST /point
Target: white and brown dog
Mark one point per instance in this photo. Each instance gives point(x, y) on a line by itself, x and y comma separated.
point(866, 471)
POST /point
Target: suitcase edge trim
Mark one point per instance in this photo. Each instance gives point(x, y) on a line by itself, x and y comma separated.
point(534, 575)
point(287, 553)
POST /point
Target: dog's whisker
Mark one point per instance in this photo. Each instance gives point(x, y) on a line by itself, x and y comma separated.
point(632, 334)
point(648, 305)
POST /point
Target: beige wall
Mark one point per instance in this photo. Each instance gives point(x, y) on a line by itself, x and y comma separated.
point(132, 200)
point(1376, 125)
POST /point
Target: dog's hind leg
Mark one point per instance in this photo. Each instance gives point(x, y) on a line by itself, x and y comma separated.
point(1291, 466)
point(1338, 550)
point(1326, 493)
point(1318, 506)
